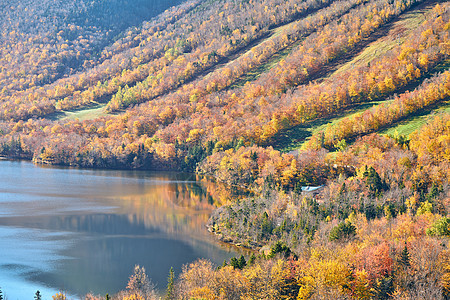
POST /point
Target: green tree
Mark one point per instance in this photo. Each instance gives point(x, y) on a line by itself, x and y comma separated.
point(170, 293)
point(433, 192)
point(373, 182)
point(404, 257)
point(341, 145)
point(238, 263)
point(224, 264)
point(252, 259)
point(281, 248)
point(266, 225)
point(383, 288)
point(242, 262)
point(344, 230)
point(234, 262)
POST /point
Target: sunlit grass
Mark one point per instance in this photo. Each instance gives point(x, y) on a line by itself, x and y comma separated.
point(89, 113)
point(295, 137)
point(396, 36)
point(408, 126)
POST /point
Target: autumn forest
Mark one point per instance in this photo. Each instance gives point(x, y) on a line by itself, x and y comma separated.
point(328, 119)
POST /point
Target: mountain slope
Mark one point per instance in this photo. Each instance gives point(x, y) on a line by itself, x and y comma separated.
point(191, 97)
point(213, 86)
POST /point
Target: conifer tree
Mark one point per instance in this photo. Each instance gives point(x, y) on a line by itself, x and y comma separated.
point(373, 181)
point(234, 262)
point(384, 288)
point(224, 264)
point(242, 262)
point(404, 257)
point(252, 259)
point(171, 285)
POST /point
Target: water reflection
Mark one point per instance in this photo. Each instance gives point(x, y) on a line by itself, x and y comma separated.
point(102, 264)
point(84, 230)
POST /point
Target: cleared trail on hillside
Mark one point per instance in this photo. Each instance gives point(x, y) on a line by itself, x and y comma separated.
point(370, 49)
point(221, 61)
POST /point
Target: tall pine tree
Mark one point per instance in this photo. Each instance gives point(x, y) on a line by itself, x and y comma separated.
point(404, 257)
point(171, 285)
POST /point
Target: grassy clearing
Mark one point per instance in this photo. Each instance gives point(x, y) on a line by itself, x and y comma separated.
point(266, 66)
point(295, 137)
point(416, 121)
point(254, 73)
point(82, 114)
point(408, 126)
point(396, 36)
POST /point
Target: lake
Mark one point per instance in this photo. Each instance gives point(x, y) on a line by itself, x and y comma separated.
point(81, 231)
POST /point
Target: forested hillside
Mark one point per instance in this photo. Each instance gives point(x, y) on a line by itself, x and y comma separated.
point(272, 96)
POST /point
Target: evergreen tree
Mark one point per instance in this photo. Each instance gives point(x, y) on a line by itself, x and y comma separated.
point(171, 285)
point(404, 257)
point(224, 263)
point(281, 248)
point(252, 259)
point(238, 263)
point(254, 156)
point(1, 294)
point(373, 182)
point(242, 262)
point(298, 188)
point(384, 288)
point(344, 230)
point(266, 225)
point(234, 262)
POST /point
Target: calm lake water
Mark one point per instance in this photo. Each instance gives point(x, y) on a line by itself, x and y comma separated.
point(84, 230)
